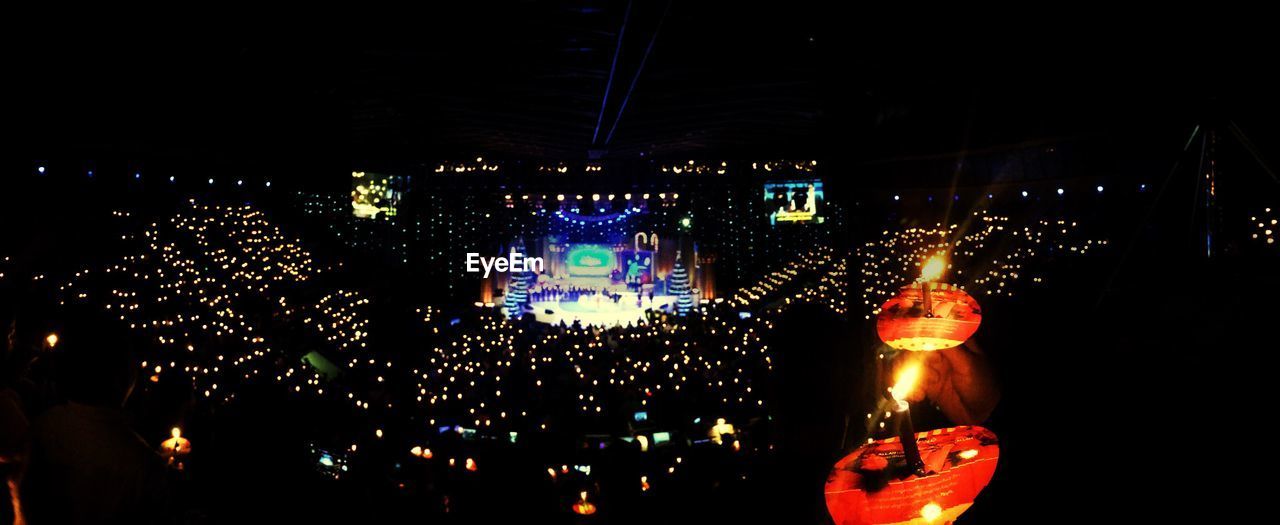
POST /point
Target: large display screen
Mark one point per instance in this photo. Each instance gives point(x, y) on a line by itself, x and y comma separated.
point(637, 267)
point(793, 201)
point(589, 260)
point(375, 196)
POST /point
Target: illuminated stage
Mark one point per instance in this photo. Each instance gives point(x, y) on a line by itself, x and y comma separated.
point(602, 268)
point(598, 310)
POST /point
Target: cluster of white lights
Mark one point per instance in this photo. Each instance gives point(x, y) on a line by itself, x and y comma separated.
point(1264, 227)
point(987, 254)
point(696, 168)
point(207, 288)
point(479, 165)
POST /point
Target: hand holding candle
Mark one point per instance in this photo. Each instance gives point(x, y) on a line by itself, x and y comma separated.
point(958, 381)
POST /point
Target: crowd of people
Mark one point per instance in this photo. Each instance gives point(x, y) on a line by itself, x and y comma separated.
point(575, 294)
point(214, 308)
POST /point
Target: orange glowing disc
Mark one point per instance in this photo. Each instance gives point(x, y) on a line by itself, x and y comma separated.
point(867, 487)
point(903, 323)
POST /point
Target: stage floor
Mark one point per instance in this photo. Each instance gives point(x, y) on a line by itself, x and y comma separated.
point(598, 313)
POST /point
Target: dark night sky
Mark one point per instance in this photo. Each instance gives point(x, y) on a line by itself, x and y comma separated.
point(526, 79)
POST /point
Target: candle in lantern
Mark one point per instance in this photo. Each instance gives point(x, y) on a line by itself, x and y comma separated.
point(175, 448)
point(903, 384)
point(582, 506)
point(929, 272)
point(927, 315)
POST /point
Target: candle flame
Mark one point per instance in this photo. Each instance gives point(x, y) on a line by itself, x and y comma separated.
point(582, 496)
point(52, 339)
point(176, 432)
point(932, 269)
point(931, 512)
point(905, 382)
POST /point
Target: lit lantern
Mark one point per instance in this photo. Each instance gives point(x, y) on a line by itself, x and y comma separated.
point(867, 487)
point(720, 429)
point(175, 448)
point(927, 316)
point(582, 506)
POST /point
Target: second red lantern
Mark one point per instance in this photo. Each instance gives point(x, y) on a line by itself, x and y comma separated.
point(914, 320)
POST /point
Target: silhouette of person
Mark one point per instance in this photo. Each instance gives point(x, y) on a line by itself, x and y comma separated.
point(86, 465)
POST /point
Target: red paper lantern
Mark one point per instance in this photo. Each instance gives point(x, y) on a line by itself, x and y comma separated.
point(906, 323)
point(866, 488)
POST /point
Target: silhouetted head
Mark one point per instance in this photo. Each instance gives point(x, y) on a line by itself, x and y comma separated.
point(95, 366)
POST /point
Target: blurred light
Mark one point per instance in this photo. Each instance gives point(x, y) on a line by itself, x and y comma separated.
point(931, 512)
point(1060, 191)
point(1099, 189)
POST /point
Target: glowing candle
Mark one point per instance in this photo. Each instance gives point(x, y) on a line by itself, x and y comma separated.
point(175, 448)
point(903, 384)
point(583, 506)
point(931, 271)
